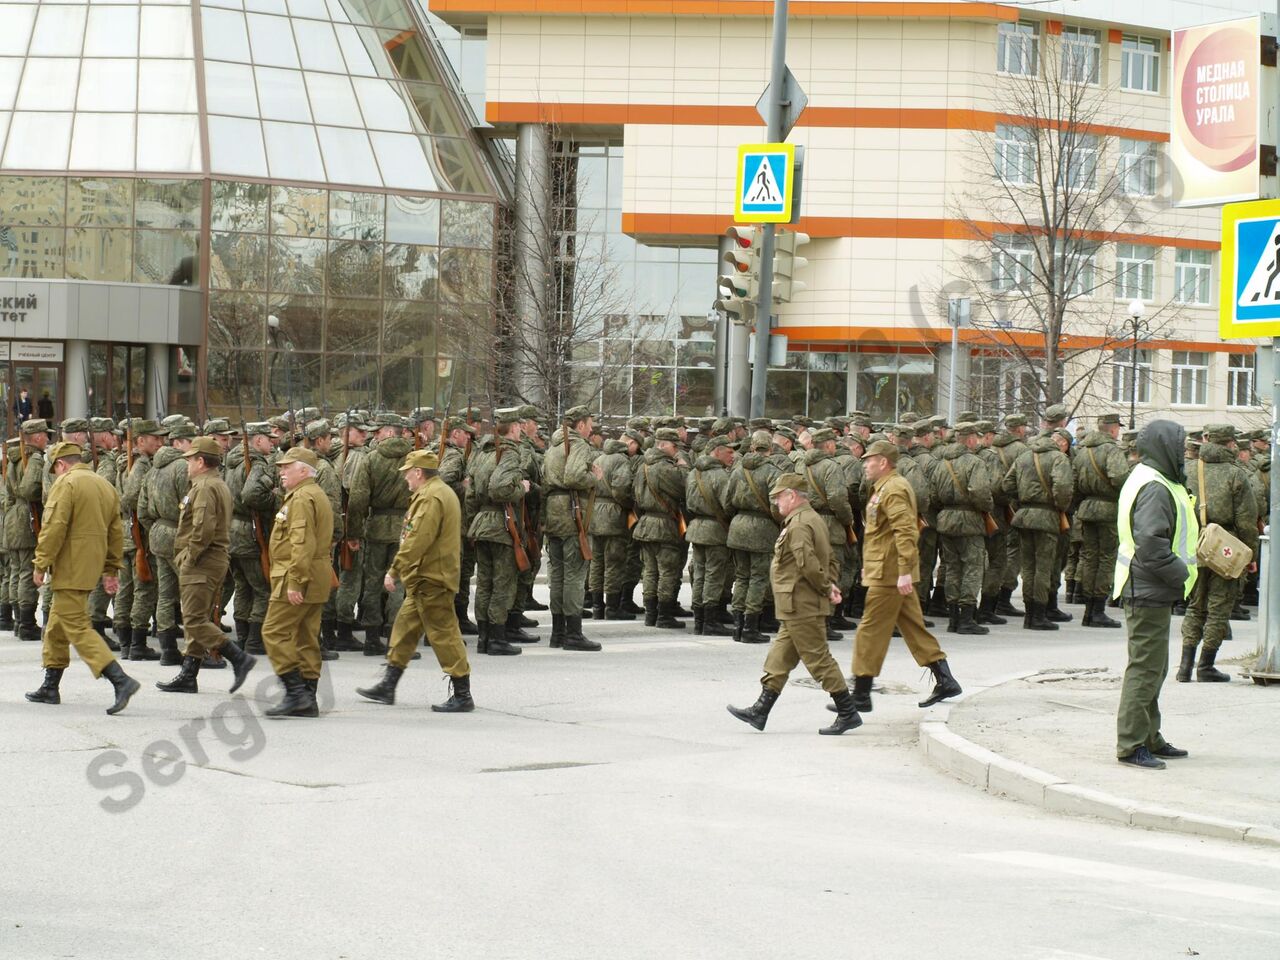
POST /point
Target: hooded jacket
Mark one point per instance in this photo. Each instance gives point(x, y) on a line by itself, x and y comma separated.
point(1156, 575)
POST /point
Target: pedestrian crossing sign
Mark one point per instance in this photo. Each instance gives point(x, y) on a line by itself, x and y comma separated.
point(765, 183)
point(1249, 285)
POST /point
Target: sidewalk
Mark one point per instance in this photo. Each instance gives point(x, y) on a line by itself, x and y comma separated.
point(1049, 739)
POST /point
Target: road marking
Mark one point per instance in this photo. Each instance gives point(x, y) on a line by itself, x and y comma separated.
point(1197, 848)
point(1117, 873)
point(1192, 920)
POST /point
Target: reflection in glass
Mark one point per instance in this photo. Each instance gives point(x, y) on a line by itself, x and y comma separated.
point(235, 384)
point(465, 275)
point(292, 151)
point(410, 272)
point(238, 261)
point(413, 219)
point(98, 202)
point(31, 252)
point(466, 224)
point(297, 265)
point(183, 380)
point(166, 256)
point(168, 204)
point(299, 211)
point(785, 393)
point(99, 400)
point(237, 321)
point(434, 107)
point(653, 393)
point(32, 201)
point(104, 255)
point(407, 381)
point(293, 379)
point(357, 216)
point(351, 380)
point(354, 269)
point(382, 105)
point(301, 322)
point(695, 393)
point(239, 206)
point(353, 326)
point(455, 165)
point(409, 328)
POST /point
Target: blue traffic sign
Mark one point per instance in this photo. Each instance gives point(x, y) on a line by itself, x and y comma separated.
point(1250, 284)
point(765, 182)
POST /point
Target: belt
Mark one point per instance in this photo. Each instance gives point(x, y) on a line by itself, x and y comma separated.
point(165, 522)
point(389, 511)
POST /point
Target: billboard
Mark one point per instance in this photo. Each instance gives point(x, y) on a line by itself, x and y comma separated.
point(1217, 112)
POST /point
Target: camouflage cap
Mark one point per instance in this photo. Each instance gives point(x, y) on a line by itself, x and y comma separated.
point(739, 421)
point(635, 435)
point(259, 428)
point(421, 415)
point(883, 448)
point(938, 422)
point(317, 429)
point(101, 424)
point(299, 455)
point(1057, 411)
point(923, 428)
point(716, 443)
point(1065, 434)
point(149, 428)
point(638, 423)
point(529, 412)
point(35, 426)
point(838, 424)
point(1193, 444)
point(217, 427)
point(859, 413)
point(760, 423)
point(506, 415)
point(801, 420)
point(822, 435)
point(206, 445)
point(423, 459)
point(909, 416)
point(667, 433)
point(855, 440)
point(787, 432)
point(721, 425)
point(707, 425)
point(64, 449)
point(458, 423)
point(859, 419)
point(1262, 433)
point(1220, 433)
point(984, 426)
point(280, 423)
point(965, 429)
point(902, 429)
point(789, 481)
point(574, 414)
point(1015, 420)
point(387, 419)
point(1107, 419)
point(761, 440)
point(182, 430)
point(968, 416)
point(173, 418)
point(74, 425)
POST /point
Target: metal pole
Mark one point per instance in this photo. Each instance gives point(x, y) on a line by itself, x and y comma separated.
point(764, 310)
point(1269, 661)
point(1133, 392)
point(955, 353)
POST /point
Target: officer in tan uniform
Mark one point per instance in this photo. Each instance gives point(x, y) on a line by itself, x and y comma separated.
point(81, 540)
point(301, 578)
point(201, 551)
point(803, 593)
point(890, 569)
point(427, 564)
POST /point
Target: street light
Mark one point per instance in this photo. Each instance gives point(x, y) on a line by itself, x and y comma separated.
point(1136, 309)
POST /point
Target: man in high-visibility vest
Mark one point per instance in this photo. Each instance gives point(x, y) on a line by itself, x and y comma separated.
point(1155, 567)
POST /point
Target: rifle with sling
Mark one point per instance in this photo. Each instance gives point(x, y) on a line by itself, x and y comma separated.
point(1064, 524)
point(509, 518)
point(141, 566)
point(346, 556)
point(584, 544)
point(33, 508)
point(711, 502)
point(676, 515)
point(850, 538)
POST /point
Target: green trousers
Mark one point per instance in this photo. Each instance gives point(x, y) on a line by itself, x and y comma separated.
point(252, 589)
point(144, 597)
point(710, 569)
point(1209, 610)
point(751, 582)
point(496, 580)
point(609, 568)
point(350, 583)
point(1039, 558)
point(663, 564)
point(1138, 719)
point(1096, 564)
point(567, 572)
point(965, 560)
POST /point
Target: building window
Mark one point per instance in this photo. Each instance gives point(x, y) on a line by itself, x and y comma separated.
point(1081, 49)
point(1077, 161)
point(888, 384)
point(1190, 378)
point(1000, 384)
point(1241, 378)
point(1015, 154)
point(1137, 167)
point(1135, 271)
point(1192, 270)
point(1122, 376)
point(1012, 262)
point(1075, 269)
point(1140, 64)
point(1018, 48)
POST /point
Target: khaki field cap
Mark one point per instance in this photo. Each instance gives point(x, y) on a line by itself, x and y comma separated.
point(65, 449)
point(299, 455)
point(667, 433)
point(34, 426)
point(149, 428)
point(101, 424)
point(789, 481)
point(1107, 419)
point(424, 459)
point(1219, 433)
point(75, 425)
point(883, 448)
point(206, 445)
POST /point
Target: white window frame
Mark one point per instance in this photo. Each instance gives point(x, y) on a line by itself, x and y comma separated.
point(1015, 154)
point(1078, 156)
point(1012, 262)
point(1242, 380)
point(1087, 259)
point(1135, 271)
point(1018, 48)
point(1193, 277)
point(1138, 167)
point(1122, 376)
point(1140, 61)
point(1189, 379)
point(1081, 54)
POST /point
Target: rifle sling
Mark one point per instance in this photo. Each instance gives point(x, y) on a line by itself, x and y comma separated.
point(715, 507)
point(657, 496)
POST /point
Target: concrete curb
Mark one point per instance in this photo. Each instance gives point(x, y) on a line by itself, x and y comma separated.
point(1002, 777)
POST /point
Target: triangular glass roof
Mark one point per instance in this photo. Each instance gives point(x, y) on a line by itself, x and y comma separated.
point(345, 92)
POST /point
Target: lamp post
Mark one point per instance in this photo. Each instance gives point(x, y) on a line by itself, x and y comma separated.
point(1136, 309)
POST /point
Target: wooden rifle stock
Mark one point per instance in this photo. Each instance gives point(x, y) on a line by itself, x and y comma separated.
point(989, 524)
point(141, 566)
point(33, 511)
point(584, 542)
point(509, 517)
point(264, 554)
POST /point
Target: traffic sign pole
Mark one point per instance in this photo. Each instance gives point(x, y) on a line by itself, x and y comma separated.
point(1269, 660)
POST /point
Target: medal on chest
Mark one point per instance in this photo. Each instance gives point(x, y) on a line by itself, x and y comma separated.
point(873, 509)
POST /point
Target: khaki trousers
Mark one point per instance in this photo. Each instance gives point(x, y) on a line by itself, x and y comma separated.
point(884, 609)
point(292, 637)
point(802, 638)
point(429, 611)
point(200, 592)
point(69, 626)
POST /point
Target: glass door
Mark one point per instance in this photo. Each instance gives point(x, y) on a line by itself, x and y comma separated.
point(37, 392)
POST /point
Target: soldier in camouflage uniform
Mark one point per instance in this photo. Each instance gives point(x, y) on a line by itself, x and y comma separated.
point(1223, 496)
point(1038, 520)
point(829, 496)
point(962, 489)
point(158, 507)
point(7, 621)
point(709, 520)
point(103, 460)
point(376, 506)
point(851, 447)
point(569, 479)
point(659, 499)
point(635, 563)
point(921, 451)
point(27, 492)
point(610, 536)
point(496, 484)
point(148, 437)
point(459, 437)
point(1100, 472)
point(1008, 445)
point(317, 435)
point(531, 510)
point(996, 543)
point(354, 434)
point(252, 501)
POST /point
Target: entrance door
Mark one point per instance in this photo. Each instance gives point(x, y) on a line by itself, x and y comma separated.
point(42, 384)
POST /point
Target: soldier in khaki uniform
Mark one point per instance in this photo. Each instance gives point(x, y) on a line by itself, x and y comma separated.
point(803, 593)
point(202, 555)
point(427, 566)
point(81, 540)
point(890, 570)
point(301, 577)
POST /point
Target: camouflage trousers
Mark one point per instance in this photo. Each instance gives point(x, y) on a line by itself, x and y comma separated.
point(751, 580)
point(21, 586)
point(635, 564)
point(98, 601)
point(4, 576)
point(709, 571)
point(465, 572)
point(145, 593)
point(663, 566)
point(252, 590)
point(997, 558)
point(1039, 561)
point(122, 602)
point(350, 583)
point(928, 559)
point(167, 595)
point(496, 580)
point(1012, 558)
point(1096, 565)
point(609, 568)
point(965, 561)
point(378, 555)
point(1208, 610)
point(850, 562)
point(566, 575)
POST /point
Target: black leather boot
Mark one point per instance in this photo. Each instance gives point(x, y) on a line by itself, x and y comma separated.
point(944, 684)
point(966, 624)
point(1038, 619)
point(468, 628)
point(100, 628)
point(613, 608)
point(241, 663)
point(953, 617)
point(328, 639)
point(1004, 603)
point(597, 605)
point(650, 611)
point(751, 629)
point(6, 616)
point(699, 620)
point(255, 645)
point(532, 604)
point(1053, 614)
point(1099, 617)
point(938, 602)
point(679, 611)
point(1071, 592)
point(667, 616)
point(384, 691)
point(1186, 665)
point(299, 700)
point(242, 632)
point(628, 600)
point(758, 713)
point(520, 621)
point(1086, 620)
point(1238, 612)
point(344, 640)
point(459, 697)
point(123, 685)
point(713, 623)
point(498, 645)
point(1206, 672)
point(832, 635)
point(862, 693)
point(482, 636)
point(169, 654)
point(373, 645)
point(557, 630)
point(124, 635)
point(768, 621)
point(573, 638)
point(27, 628)
point(185, 681)
point(48, 691)
point(987, 613)
point(138, 649)
point(515, 632)
point(838, 621)
point(738, 619)
point(846, 715)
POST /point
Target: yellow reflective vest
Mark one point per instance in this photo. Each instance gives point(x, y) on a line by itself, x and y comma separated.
point(1186, 532)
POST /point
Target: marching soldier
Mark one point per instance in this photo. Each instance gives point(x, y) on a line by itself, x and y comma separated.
point(426, 565)
point(1042, 484)
point(708, 532)
point(497, 485)
point(569, 476)
point(752, 533)
point(351, 578)
point(1100, 472)
point(962, 486)
point(659, 497)
point(610, 535)
point(317, 436)
point(27, 489)
point(459, 440)
point(804, 593)
point(159, 504)
point(301, 578)
point(81, 541)
point(201, 552)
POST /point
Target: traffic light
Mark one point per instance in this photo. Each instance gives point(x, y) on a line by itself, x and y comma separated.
point(786, 264)
point(738, 286)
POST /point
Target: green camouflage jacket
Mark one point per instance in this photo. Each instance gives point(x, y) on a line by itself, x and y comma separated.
point(1101, 470)
point(379, 497)
point(613, 491)
point(1226, 497)
point(753, 526)
point(160, 498)
point(559, 476)
point(254, 494)
point(659, 498)
point(961, 500)
point(1038, 508)
point(495, 482)
point(828, 494)
point(704, 496)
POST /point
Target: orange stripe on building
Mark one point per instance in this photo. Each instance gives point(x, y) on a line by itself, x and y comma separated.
point(732, 8)
point(871, 335)
point(713, 224)
point(698, 115)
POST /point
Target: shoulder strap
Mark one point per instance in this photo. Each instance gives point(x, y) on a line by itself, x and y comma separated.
point(961, 489)
point(1048, 490)
point(1204, 504)
point(710, 501)
point(1097, 469)
point(657, 496)
point(755, 488)
point(1000, 453)
point(817, 485)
